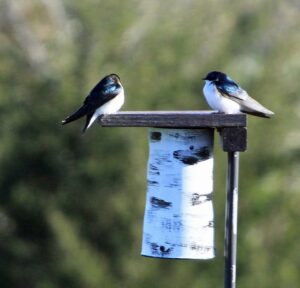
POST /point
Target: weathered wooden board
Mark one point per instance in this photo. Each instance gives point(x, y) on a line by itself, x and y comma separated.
point(232, 127)
point(179, 219)
point(173, 119)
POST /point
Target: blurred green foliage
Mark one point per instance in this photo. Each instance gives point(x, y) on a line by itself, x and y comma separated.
point(71, 207)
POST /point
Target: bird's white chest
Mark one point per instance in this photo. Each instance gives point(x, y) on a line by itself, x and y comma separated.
point(218, 102)
point(112, 106)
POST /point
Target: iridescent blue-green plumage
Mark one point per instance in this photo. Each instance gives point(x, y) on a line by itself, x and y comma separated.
point(225, 95)
point(105, 98)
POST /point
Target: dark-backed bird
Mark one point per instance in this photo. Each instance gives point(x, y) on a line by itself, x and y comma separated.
point(226, 96)
point(106, 97)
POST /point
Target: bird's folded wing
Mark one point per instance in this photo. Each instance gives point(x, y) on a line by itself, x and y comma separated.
point(248, 104)
point(98, 98)
point(232, 91)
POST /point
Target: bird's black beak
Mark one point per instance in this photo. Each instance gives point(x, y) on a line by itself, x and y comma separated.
point(204, 78)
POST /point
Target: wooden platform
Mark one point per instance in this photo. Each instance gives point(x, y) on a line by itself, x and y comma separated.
point(232, 127)
point(173, 119)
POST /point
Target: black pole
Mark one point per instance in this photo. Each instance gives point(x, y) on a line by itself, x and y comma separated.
point(231, 220)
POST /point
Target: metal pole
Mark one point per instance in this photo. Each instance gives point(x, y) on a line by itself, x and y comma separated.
point(231, 220)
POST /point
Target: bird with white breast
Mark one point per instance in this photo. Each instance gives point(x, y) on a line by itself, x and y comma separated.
point(226, 96)
point(106, 97)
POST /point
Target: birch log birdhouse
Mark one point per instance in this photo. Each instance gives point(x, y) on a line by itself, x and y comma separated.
point(179, 218)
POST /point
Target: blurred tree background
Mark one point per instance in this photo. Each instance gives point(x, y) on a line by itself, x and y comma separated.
point(71, 207)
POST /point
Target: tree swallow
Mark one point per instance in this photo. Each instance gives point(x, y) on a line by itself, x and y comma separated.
point(224, 95)
point(106, 97)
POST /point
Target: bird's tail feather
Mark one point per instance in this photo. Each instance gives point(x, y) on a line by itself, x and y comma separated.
point(82, 111)
point(87, 122)
point(90, 119)
point(257, 113)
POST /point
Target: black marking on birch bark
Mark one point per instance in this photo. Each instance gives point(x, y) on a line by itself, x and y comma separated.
point(152, 183)
point(177, 225)
point(180, 136)
point(154, 170)
point(204, 153)
point(199, 199)
point(154, 248)
point(171, 225)
point(162, 159)
point(210, 224)
point(203, 249)
point(153, 167)
point(165, 251)
point(191, 156)
point(160, 249)
point(184, 245)
point(176, 135)
point(167, 224)
point(155, 136)
point(172, 185)
point(160, 203)
point(175, 183)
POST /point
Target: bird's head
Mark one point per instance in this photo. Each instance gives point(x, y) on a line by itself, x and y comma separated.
point(215, 76)
point(112, 79)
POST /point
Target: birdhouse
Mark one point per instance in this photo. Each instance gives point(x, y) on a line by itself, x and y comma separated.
point(179, 215)
point(179, 220)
